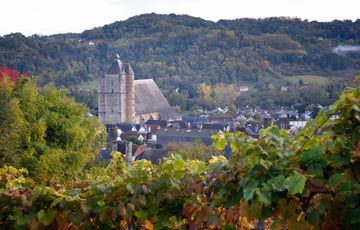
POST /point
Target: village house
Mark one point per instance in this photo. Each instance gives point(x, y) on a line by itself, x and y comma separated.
point(243, 88)
point(168, 135)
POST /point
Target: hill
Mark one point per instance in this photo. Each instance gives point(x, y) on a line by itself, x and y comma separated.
point(180, 51)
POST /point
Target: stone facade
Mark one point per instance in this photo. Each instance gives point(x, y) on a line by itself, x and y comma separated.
point(116, 94)
point(122, 99)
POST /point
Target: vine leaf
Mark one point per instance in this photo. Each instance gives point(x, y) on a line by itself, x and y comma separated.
point(249, 190)
point(46, 217)
point(264, 196)
point(295, 184)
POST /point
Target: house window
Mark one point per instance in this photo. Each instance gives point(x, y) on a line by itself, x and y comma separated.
point(112, 82)
point(112, 110)
point(112, 90)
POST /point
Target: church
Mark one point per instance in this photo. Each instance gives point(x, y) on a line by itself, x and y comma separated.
point(123, 99)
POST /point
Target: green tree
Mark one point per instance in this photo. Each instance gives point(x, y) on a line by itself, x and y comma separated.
point(57, 139)
point(193, 151)
point(177, 99)
point(267, 104)
point(11, 125)
point(134, 140)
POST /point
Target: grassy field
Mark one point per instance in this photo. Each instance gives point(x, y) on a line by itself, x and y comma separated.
point(91, 85)
point(309, 79)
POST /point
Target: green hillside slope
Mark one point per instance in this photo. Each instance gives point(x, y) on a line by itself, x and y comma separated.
point(180, 51)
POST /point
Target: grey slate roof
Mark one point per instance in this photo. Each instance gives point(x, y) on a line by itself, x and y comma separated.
point(118, 67)
point(161, 123)
point(167, 135)
point(149, 99)
point(216, 126)
point(124, 127)
point(220, 119)
point(154, 155)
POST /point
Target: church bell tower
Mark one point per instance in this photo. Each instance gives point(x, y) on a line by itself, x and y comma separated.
point(116, 93)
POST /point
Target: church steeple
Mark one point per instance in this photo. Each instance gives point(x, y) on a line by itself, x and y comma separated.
point(116, 93)
point(116, 66)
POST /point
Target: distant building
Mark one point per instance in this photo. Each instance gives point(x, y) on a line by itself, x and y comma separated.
point(298, 124)
point(220, 119)
point(244, 88)
point(123, 99)
point(168, 135)
point(225, 127)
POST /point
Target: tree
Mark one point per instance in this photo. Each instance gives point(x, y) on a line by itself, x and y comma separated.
point(11, 125)
point(193, 151)
point(204, 92)
point(267, 104)
point(134, 140)
point(177, 99)
point(57, 139)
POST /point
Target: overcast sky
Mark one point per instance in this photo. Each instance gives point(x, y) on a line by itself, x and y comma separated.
point(61, 16)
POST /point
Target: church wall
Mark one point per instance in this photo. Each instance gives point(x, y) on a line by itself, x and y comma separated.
point(101, 100)
point(130, 98)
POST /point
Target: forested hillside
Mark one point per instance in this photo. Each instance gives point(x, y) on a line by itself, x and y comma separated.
point(180, 51)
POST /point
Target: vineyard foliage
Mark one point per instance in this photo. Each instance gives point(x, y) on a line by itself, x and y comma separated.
point(307, 182)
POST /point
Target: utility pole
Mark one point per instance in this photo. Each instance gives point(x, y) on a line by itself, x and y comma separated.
point(128, 150)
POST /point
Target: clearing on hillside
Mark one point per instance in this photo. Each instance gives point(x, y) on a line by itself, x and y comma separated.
point(309, 79)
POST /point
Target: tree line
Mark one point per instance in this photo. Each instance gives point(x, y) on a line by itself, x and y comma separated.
point(180, 51)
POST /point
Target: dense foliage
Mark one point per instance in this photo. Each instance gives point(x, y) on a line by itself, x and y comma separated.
point(309, 182)
point(45, 131)
point(193, 151)
point(11, 74)
point(180, 51)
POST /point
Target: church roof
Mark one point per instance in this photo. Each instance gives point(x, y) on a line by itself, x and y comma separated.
point(149, 99)
point(118, 67)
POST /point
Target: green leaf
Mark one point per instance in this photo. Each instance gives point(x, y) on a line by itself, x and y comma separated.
point(219, 141)
point(341, 159)
point(316, 168)
point(141, 214)
point(312, 154)
point(74, 192)
point(251, 161)
point(76, 217)
point(277, 183)
point(264, 196)
point(314, 217)
point(295, 184)
point(46, 217)
point(335, 180)
point(249, 190)
point(266, 164)
point(234, 146)
point(133, 188)
point(179, 164)
point(22, 219)
point(56, 201)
